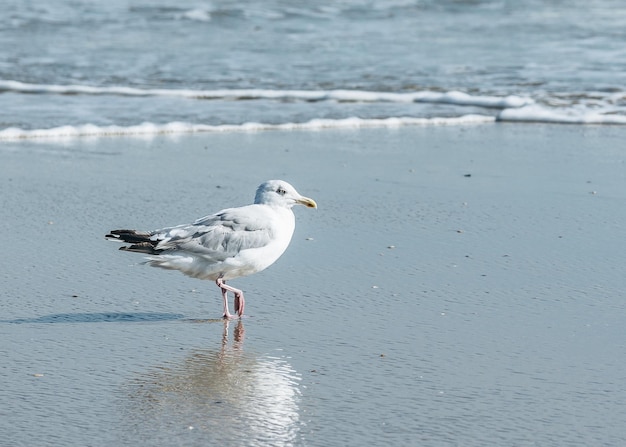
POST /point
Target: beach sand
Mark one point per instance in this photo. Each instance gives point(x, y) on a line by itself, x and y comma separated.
point(457, 286)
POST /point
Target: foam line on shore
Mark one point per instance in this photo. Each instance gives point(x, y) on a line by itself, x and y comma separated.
point(451, 97)
point(147, 129)
point(538, 114)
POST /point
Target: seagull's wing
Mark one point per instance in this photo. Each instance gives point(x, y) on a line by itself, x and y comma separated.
point(218, 236)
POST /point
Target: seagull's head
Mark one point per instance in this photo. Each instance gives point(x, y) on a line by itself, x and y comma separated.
point(281, 193)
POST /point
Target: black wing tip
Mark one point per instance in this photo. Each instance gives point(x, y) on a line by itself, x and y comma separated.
point(130, 236)
point(144, 247)
point(119, 234)
point(128, 232)
point(139, 240)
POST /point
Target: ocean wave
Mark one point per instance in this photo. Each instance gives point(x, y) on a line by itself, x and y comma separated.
point(451, 97)
point(149, 129)
point(540, 114)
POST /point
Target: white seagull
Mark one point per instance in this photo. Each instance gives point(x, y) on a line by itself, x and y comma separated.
point(231, 243)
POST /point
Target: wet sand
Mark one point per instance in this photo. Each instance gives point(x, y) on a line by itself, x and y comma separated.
point(456, 286)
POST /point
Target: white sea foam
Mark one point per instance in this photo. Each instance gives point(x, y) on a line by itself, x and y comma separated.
point(199, 15)
point(539, 114)
point(147, 129)
point(452, 97)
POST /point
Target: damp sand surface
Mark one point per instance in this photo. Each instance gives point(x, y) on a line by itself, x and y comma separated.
point(456, 286)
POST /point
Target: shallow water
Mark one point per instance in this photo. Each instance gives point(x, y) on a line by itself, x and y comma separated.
point(566, 58)
point(456, 286)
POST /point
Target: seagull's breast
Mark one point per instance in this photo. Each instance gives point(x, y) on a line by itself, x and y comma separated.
point(280, 228)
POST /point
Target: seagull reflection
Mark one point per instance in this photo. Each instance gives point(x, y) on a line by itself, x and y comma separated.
point(215, 397)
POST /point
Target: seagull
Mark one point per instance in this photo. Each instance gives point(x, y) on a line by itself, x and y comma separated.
point(231, 243)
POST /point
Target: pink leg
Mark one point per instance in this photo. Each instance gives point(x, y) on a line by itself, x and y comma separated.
point(240, 302)
point(227, 314)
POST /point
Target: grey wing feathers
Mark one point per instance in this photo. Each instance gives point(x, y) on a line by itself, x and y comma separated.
point(216, 237)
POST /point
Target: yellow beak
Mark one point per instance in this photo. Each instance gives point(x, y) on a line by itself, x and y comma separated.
point(309, 203)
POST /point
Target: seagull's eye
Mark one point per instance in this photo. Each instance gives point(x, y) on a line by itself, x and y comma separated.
point(281, 191)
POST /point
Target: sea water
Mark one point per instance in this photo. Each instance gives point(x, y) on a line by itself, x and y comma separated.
point(143, 67)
